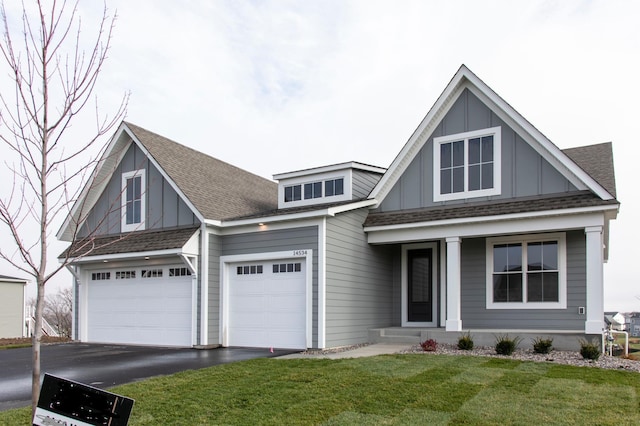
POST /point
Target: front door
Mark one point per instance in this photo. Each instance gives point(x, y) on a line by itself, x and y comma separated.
point(420, 294)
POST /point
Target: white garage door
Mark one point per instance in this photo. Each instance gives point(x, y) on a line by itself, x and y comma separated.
point(140, 306)
point(267, 304)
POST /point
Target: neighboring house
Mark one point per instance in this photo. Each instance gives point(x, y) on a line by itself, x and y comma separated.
point(634, 324)
point(12, 306)
point(480, 223)
point(615, 320)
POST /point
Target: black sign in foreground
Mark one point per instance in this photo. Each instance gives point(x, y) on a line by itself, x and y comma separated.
point(63, 402)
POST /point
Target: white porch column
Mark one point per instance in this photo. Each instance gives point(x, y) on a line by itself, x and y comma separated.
point(454, 323)
point(595, 281)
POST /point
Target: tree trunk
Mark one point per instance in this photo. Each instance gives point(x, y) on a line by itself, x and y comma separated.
point(36, 341)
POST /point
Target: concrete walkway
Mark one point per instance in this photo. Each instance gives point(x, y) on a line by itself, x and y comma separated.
point(369, 350)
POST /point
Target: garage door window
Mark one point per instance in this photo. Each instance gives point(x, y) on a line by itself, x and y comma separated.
point(151, 273)
point(249, 270)
point(125, 275)
point(98, 276)
point(179, 272)
point(280, 268)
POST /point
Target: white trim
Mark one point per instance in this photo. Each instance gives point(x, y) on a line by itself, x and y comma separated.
point(128, 256)
point(405, 284)
point(423, 231)
point(594, 323)
point(331, 168)
point(465, 79)
point(494, 218)
point(496, 132)
point(204, 283)
point(443, 282)
point(136, 226)
point(322, 284)
point(454, 262)
point(561, 239)
point(225, 276)
point(347, 185)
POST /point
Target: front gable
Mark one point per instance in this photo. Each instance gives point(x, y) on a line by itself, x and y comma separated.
point(528, 164)
point(519, 170)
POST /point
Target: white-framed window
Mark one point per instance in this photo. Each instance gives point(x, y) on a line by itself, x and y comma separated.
point(312, 190)
point(527, 272)
point(467, 165)
point(133, 200)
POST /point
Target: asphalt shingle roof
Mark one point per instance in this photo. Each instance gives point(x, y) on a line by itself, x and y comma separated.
point(597, 161)
point(140, 241)
point(521, 205)
point(217, 189)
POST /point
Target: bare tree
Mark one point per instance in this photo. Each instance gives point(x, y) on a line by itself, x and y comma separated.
point(59, 309)
point(54, 72)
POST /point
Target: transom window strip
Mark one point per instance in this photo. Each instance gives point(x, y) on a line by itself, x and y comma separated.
point(332, 187)
point(125, 275)
point(151, 273)
point(179, 272)
point(249, 269)
point(279, 268)
point(98, 276)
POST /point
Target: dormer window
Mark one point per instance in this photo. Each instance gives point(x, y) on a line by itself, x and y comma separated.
point(467, 165)
point(133, 201)
point(313, 190)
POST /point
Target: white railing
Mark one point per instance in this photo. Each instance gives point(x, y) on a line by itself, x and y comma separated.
point(30, 322)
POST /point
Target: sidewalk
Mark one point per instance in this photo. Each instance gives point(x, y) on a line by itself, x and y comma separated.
point(369, 350)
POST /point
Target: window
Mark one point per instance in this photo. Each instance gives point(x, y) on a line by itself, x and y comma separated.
point(151, 273)
point(179, 272)
point(293, 193)
point(312, 190)
point(133, 200)
point(526, 272)
point(467, 165)
point(249, 270)
point(99, 276)
point(125, 275)
point(280, 268)
point(333, 187)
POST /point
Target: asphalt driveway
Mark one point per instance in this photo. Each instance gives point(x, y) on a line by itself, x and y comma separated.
point(104, 366)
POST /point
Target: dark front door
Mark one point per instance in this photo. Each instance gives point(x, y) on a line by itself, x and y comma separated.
point(420, 285)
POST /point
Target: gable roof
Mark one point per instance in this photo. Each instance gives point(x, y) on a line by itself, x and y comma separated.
point(8, 279)
point(217, 189)
point(465, 79)
point(213, 189)
point(597, 161)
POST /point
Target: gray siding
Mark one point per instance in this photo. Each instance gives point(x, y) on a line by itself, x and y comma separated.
point(279, 240)
point(363, 183)
point(359, 291)
point(215, 248)
point(524, 171)
point(476, 316)
point(164, 207)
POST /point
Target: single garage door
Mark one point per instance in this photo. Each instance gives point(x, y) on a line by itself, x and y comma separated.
point(140, 306)
point(267, 304)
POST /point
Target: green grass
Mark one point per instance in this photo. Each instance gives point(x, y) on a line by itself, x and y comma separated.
point(384, 390)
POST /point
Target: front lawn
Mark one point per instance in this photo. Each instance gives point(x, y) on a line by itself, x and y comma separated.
point(389, 390)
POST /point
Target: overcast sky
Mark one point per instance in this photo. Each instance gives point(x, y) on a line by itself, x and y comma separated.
point(277, 86)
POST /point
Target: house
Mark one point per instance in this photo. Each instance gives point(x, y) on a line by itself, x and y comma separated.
point(634, 324)
point(615, 320)
point(12, 306)
point(480, 224)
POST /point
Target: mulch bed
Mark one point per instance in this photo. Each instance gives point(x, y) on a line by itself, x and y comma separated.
point(27, 340)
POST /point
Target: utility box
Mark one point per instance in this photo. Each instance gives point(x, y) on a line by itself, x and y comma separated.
point(65, 402)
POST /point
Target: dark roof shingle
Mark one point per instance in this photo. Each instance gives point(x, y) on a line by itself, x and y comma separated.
point(217, 189)
point(597, 161)
point(522, 205)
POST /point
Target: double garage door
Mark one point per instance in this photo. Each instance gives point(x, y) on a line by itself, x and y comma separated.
point(150, 306)
point(267, 304)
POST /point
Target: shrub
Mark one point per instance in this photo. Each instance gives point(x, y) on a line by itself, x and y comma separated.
point(505, 345)
point(465, 342)
point(542, 346)
point(590, 350)
point(429, 345)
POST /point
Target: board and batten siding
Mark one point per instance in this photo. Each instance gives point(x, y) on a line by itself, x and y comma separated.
point(303, 238)
point(164, 208)
point(524, 171)
point(473, 292)
point(12, 309)
point(363, 183)
point(359, 281)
